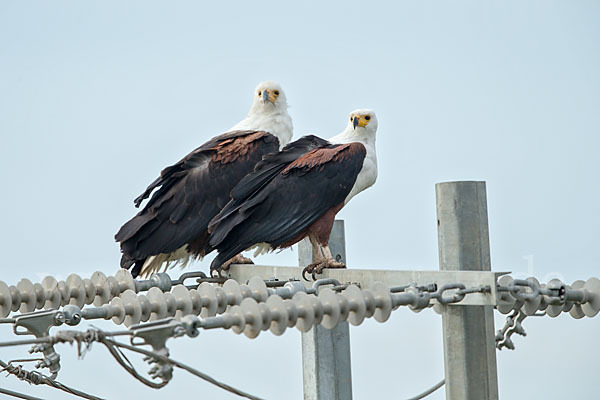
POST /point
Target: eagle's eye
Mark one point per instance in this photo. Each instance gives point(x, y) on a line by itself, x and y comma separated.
point(259, 93)
point(276, 92)
point(350, 118)
point(368, 117)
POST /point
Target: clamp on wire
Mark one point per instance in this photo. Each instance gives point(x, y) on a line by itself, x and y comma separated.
point(156, 335)
point(39, 324)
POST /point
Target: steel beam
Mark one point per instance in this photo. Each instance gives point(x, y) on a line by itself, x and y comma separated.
point(469, 337)
point(326, 352)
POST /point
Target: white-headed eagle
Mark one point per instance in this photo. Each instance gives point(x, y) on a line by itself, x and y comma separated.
point(172, 226)
point(297, 192)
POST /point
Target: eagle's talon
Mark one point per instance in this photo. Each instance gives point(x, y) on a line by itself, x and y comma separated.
point(304, 271)
point(328, 263)
point(238, 259)
point(309, 268)
point(319, 269)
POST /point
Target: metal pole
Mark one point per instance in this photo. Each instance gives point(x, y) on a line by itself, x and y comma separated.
point(326, 353)
point(463, 241)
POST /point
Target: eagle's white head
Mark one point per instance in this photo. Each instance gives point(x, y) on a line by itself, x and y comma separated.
point(269, 113)
point(361, 127)
point(269, 97)
point(362, 121)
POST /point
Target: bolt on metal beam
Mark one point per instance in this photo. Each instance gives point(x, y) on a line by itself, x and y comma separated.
point(326, 353)
point(469, 337)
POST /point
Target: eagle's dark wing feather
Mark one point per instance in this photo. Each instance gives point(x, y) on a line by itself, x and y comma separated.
point(271, 165)
point(188, 194)
point(280, 209)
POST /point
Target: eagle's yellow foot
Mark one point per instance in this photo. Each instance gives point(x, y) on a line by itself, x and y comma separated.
point(238, 259)
point(319, 266)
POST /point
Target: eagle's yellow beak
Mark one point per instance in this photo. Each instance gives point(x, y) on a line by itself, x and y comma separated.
point(360, 120)
point(269, 95)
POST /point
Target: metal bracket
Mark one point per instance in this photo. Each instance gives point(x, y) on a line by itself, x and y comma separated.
point(156, 335)
point(39, 324)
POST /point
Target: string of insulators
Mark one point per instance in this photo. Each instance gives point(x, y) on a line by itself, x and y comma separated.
point(580, 299)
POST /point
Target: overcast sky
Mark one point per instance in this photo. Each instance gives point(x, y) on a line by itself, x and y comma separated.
point(97, 97)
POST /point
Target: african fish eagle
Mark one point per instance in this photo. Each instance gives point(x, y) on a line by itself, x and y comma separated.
point(172, 226)
point(297, 193)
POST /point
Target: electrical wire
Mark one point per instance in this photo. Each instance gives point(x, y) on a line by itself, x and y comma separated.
point(18, 395)
point(97, 335)
point(429, 391)
point(231, 389)
point(37, 378)
point(128, 366)
point(24, 341)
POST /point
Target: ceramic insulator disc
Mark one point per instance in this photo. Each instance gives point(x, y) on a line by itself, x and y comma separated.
point(126, 281)
point(102, 289)
point(356, 305)
point(183, 299)
point(505, 301)
point(233, 291)
point(133, 307)
point(576, 311)
point(145, 306)
point(306, 312)
point(118, 310)
point(279, 317)
point(27, 292)
point(259, 289)
point(158, 305)
point(76, 289)
point(383, 302)
point(208, 294)
point(51, 292)
point(592, 307)
point(239, 323)
point(90, 291)
point(5, 300)
point(331, 308)
point(252, 316)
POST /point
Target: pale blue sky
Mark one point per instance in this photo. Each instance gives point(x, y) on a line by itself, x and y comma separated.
point(97, 97)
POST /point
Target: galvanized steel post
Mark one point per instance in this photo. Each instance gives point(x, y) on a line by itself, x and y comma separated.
point(463, 241)
point(326, 353)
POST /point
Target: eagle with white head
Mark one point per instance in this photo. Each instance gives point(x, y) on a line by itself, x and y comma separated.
point(297, 192)
point(172, 227)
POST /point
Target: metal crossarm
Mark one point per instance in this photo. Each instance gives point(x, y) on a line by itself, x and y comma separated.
point(365, 278)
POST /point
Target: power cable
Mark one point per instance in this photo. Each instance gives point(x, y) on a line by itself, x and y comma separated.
point(429, 391)
point(37, 378)
point(18, 395)
point(109, 343)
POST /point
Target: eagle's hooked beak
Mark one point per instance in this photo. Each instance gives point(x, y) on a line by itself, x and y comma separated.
point(265, 97)
point(355, 122)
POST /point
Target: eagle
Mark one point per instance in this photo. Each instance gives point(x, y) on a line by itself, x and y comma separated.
point(296, 193)
point(172, 226)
